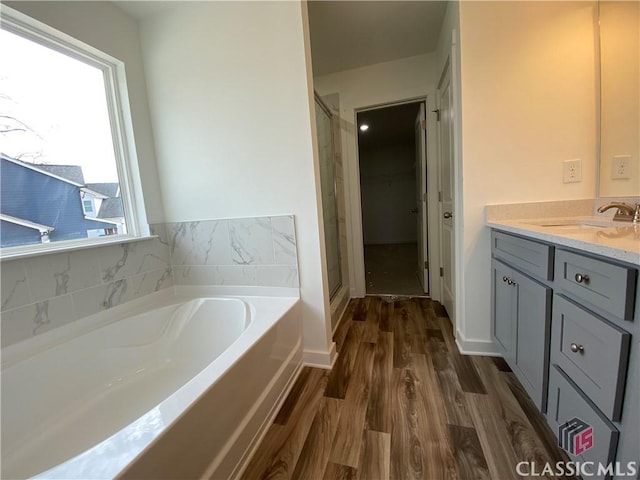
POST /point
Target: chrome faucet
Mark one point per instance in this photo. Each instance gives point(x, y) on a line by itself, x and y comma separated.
point(625, 213)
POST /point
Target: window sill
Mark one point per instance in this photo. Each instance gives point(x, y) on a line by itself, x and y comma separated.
point(28, 251)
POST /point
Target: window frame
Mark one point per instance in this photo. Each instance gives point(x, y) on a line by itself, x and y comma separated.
point(120, 120)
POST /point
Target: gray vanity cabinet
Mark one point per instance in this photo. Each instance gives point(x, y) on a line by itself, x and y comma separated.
point(568, 324)
point(521, 309)
point(594, 341)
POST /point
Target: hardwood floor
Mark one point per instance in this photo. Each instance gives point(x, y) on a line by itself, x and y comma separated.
point(402, 403)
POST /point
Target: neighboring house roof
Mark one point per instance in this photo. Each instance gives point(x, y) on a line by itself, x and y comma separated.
point(26, 223)
point(93, 193)
point(111, 208)
point(44, 198)
point(69, 172)
point(38, 168)
point(107, 189)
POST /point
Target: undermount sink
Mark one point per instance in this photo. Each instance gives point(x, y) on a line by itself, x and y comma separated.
point(574, 223)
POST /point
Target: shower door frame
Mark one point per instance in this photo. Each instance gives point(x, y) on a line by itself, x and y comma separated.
point(327, 110)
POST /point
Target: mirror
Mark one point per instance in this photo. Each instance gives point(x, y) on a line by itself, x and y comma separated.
point(619, 99)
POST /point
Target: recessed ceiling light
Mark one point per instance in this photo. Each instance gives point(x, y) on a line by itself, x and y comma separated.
point(364, 127)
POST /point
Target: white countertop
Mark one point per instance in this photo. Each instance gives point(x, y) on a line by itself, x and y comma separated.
point(617, 240)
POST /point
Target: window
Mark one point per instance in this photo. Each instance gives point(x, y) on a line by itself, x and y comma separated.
point(88, 206)
point(66, 162)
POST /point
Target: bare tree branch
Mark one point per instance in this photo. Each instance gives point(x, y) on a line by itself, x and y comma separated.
point(7, 126)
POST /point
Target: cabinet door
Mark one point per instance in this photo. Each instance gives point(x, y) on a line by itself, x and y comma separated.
point(503, 328)
point(533, 312)
point(567, 402)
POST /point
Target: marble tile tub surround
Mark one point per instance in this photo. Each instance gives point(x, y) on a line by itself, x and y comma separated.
point(259, 251)
point(47, 291)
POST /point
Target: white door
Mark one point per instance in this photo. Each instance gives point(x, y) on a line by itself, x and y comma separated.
point(421, 197)
point(445, 96)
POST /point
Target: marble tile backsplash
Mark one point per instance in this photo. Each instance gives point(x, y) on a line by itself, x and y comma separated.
point(47, 291)
point(246, 251)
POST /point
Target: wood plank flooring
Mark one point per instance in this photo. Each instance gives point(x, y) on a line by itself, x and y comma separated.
point(402, 403)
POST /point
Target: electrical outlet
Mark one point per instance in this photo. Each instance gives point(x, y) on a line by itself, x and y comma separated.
point(621, 167)
point(572, 171)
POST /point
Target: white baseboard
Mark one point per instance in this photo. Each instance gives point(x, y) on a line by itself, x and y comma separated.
point(484, 348)
point(320, 359)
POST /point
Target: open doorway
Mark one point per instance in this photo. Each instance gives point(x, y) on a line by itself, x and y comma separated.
point(392, 163)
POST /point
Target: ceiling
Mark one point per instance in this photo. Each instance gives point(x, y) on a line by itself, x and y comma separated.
point(351, 34)
point(348, 34)
point(388, 126)
point(140, 9)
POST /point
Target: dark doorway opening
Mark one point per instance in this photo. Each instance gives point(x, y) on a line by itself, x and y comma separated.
point(387, 150)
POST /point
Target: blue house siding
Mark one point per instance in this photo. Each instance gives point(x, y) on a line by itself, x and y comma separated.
point(40, 198)
point(12, 234)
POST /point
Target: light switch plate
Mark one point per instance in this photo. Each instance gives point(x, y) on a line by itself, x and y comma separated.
point(572, 171)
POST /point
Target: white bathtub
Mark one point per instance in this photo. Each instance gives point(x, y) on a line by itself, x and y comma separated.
point(179, 384)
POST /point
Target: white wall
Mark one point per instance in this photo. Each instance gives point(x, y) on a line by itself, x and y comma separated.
point(107, 28)
point(528, 103)
point(388, 187)
point(388, 82)
point(620, 97)
point(231, 106)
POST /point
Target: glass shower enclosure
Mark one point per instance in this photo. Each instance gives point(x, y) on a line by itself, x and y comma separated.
point(324, 125)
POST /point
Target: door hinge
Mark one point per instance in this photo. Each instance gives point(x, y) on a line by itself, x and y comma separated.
point(439, 196)
point(423, 125)
point(437, 112)
point(426, 265)
point(441, 271)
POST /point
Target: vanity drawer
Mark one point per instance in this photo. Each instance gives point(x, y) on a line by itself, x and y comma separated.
point(528, 255)
point(607, 286)
point(566, 403)
point(592, 352)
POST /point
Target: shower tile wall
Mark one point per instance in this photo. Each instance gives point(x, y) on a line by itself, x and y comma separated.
point(338, 126)
point(334, 101)
point(247, 251)
point(47, 291)
point(326, 157)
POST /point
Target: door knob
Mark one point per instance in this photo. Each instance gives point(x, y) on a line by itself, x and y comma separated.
point(447, 214)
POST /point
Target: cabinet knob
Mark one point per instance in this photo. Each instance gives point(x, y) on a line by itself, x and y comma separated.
point(447, 214)
point(580, 278)
point(510, 282)
point(505, 279)
point(575, 348)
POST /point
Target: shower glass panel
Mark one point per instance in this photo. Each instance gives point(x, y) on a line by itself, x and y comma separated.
point(328, 187)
